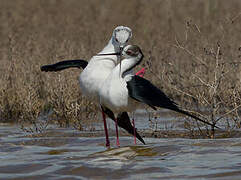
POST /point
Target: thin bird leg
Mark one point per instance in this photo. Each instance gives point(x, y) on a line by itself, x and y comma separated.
point(106, 130)
point(133, 122)
point(141, 74)
point(117, 135)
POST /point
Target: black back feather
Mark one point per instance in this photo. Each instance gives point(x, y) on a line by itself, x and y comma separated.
point(144, 91)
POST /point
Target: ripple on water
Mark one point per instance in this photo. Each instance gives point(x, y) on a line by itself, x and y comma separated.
point(78, 157)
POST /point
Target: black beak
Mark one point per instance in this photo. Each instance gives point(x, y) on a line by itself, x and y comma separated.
point(117, 53)
point(121, 48)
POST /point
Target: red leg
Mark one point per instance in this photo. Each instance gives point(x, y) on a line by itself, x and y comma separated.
point(117, 135)
point(141, 72)
point(133, 122)
point(106, 130)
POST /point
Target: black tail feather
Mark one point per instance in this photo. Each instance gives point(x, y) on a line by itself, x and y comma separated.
point(79, 63)
point(195, 117)
point(124, 122)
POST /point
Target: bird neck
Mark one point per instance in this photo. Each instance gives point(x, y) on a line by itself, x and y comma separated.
point(110, 48)
point(126, 66)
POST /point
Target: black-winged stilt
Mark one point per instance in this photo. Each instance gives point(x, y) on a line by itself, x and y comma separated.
point(96, 71)
point(122, 91)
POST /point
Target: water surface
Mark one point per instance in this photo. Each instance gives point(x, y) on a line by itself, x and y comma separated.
point(66, 154)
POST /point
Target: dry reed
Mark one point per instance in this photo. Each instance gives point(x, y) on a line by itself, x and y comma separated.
point(192, 52)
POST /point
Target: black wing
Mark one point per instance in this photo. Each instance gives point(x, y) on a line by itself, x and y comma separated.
point(123, 121)
point(144, 91)
point(78, 63)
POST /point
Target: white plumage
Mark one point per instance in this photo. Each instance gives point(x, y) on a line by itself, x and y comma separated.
point(114, 92)
point(95, 73)
point(100, 67)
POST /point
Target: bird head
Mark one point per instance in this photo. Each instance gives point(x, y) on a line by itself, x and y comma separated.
point(129, 51)
point(121, 35)
point(132, 51)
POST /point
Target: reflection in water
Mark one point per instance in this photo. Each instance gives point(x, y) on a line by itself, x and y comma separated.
point(69, 156)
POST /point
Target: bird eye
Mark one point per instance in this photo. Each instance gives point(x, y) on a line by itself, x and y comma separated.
point(116, 40)
point(129, 52)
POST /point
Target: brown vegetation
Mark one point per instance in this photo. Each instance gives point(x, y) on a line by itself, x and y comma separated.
point(192, 52)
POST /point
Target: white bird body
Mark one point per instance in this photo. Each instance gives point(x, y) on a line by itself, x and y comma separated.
point(94, 74)
point(114, 92)
point(99, 67)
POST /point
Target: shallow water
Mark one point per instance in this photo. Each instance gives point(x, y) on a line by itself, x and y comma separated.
point(65, 154)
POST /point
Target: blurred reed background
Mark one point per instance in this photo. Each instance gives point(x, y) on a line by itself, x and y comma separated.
point(192, 52)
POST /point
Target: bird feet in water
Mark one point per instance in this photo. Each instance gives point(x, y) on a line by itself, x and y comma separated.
point(133, 122)
point(117, 135)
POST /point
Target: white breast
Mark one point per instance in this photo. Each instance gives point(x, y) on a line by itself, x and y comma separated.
point(114, 94)
point(93, 76)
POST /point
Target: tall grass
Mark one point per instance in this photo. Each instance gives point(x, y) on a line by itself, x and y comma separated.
point(192, 52)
